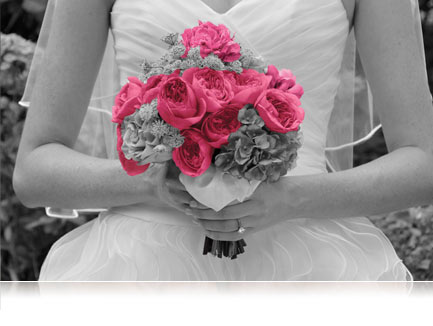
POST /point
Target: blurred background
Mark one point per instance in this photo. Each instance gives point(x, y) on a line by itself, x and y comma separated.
point(27, 234)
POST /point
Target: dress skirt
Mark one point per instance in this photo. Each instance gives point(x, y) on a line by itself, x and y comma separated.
point(136, 243)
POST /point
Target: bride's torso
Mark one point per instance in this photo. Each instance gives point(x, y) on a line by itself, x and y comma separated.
point(307, 37)
point(133, 242)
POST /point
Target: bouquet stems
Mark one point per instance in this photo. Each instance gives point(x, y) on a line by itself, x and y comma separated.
point(219, 248)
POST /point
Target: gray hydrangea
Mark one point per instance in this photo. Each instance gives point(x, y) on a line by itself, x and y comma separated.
point(249, 116)
point(134, 141)
point(147, 138)
point(254, 153)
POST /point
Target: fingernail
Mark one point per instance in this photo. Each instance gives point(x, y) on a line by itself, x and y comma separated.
point(188, 211)
point(195, 221)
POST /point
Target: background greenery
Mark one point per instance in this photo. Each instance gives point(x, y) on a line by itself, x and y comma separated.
point(27, 234)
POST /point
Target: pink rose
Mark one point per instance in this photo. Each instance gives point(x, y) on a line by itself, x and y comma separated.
point(151, 89)
point(128, 99)
point(210, 85)
point(280, 110)
point(247, 85)
point(211, 39)
point(284, 80)
point(178, 104)
point(218, 126)
point(194, 157)
point(130, 166)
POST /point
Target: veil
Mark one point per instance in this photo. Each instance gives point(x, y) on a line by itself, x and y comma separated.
point(352, 121)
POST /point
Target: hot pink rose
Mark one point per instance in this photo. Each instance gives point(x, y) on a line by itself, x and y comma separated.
point(280, 110)
point(247, 85)
point(210, 85)
point(218, 126)
point(151, 89)
point(130, 166)
point(194, 157)
point(178, 104)
point(211, 39)
point(284, 80)
point(128, 99)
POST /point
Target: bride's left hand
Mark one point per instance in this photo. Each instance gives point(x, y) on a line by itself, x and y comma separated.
point(269, 205)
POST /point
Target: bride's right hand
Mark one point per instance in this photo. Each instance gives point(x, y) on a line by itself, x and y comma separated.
point(171, 191)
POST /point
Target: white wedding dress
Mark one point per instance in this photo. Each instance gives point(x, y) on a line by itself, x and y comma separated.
point(157, 243)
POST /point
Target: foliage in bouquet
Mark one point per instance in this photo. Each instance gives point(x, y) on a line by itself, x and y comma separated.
point(254, 153)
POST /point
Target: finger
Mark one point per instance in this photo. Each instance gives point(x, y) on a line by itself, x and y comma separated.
point(226, 236)
point(197, 205)
point(228, 225)
point(229, 213)
point(181, 197)
point(220, 225)
point(177, 185)
point(185, 198)
point(174, 184)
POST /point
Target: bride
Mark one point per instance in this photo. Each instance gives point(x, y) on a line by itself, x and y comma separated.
point(310, 225)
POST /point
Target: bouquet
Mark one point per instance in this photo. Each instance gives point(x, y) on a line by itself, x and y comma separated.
point(213, 108)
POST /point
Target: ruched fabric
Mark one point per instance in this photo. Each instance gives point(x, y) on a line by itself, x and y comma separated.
point(157, 243)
